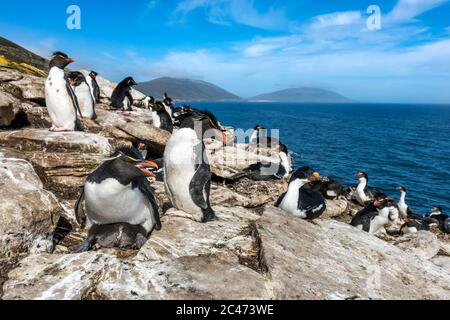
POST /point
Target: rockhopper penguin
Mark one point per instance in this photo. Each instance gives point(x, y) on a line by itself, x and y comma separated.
point(61, 101)
point(161, 119)
point(375, 215)
point(121, 97)
point(83, 92)
point(93, 85)
point(187, 175)
point(119, 192)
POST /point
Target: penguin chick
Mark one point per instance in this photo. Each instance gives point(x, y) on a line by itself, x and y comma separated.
point(116, 235)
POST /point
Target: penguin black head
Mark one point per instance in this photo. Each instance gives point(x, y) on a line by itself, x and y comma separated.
point(60, 60)
point(382, 203)
point(152, 100)
point(76, 78)
point(128, 164)
point(304, 173)
point(129, 81)
point(207, 121)
point(401, 189)
point(361, 174)
point(93, 74)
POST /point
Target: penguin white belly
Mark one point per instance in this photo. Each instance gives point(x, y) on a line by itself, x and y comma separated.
point(169, 110)
point(290, 203)
point(111, 202)
point(59, 104)
point(377, 223)
point(126, 103)
point(85, 101)
point(156, 120)
point(179, 169)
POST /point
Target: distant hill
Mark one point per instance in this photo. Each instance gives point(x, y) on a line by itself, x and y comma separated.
point(185, 89)
point(311, 95)
point(17, 54)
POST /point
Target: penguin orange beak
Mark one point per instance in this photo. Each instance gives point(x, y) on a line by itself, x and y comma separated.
point(70, 60)
point(144, 166)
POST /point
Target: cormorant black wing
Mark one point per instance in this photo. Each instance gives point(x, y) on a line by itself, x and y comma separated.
point(311, 201)
point(144, 186)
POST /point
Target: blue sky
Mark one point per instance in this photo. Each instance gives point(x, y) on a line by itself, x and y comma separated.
point(252, 46)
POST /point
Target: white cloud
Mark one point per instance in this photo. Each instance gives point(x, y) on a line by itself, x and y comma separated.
point(337, 19)
point(408, 9)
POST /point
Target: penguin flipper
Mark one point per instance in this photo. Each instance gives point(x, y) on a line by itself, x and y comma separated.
point(146, 189)
point(280, 199)
point(96, 91)
point(79, 212)
point(200, 185)
point(73, 97)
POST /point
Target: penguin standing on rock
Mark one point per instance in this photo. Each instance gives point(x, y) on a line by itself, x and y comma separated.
point(119, 192)
point(161, 119)
point(375, 215)
point(61, 101)
point(121, 97)
point(300, 201)
point(93, 85)
point(167, 102)
point(187, 175)
point(83, 93)
point(148, 102)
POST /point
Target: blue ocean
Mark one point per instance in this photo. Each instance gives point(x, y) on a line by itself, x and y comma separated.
point(394, 144)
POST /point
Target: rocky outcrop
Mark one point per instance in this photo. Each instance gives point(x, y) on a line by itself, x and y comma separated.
point(330, 260)
point(28, 213)
point(423, 244)
point(279, 256)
